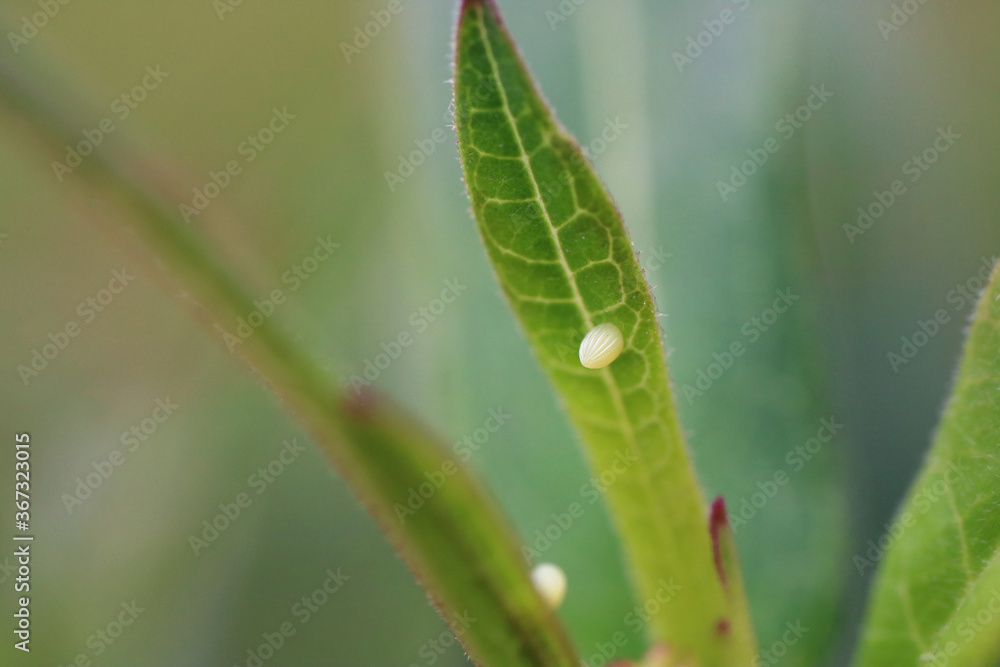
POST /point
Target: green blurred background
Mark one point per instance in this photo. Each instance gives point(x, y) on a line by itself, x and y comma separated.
point(715, 264)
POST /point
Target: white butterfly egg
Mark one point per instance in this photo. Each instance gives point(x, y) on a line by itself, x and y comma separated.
point(601, 345)
point(550, 582)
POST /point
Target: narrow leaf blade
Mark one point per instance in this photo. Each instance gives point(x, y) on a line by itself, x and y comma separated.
point(565, 263)
point(458, 543)
point(941, 561)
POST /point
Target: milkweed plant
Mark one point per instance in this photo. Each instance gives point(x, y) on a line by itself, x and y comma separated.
point(565, 263)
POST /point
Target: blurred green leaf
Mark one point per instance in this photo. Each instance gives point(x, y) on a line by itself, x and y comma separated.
point(566, 264)
point(455, 539)
point(940, 574)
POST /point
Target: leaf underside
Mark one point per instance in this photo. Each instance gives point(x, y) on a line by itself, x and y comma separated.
point(942, 569)
point(566, 264)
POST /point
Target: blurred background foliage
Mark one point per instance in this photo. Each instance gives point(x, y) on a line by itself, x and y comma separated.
point(715, 265)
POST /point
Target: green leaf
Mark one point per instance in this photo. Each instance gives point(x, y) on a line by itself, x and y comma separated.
point(971, 636)
point(457, 543)
point(938, 592)
point(566, 264)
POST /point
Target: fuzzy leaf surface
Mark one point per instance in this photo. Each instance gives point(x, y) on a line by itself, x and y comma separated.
point(566, 264)
point(940, 572)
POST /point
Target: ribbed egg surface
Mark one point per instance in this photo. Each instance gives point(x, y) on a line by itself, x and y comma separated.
point(601, 346)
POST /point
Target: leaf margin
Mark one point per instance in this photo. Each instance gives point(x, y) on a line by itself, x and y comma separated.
point(721, 607)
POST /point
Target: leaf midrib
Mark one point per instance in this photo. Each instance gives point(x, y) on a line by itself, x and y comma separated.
point(618, 399)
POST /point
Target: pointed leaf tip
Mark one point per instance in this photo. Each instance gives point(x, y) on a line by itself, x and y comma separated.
point(716, 523)
point(736, 626)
